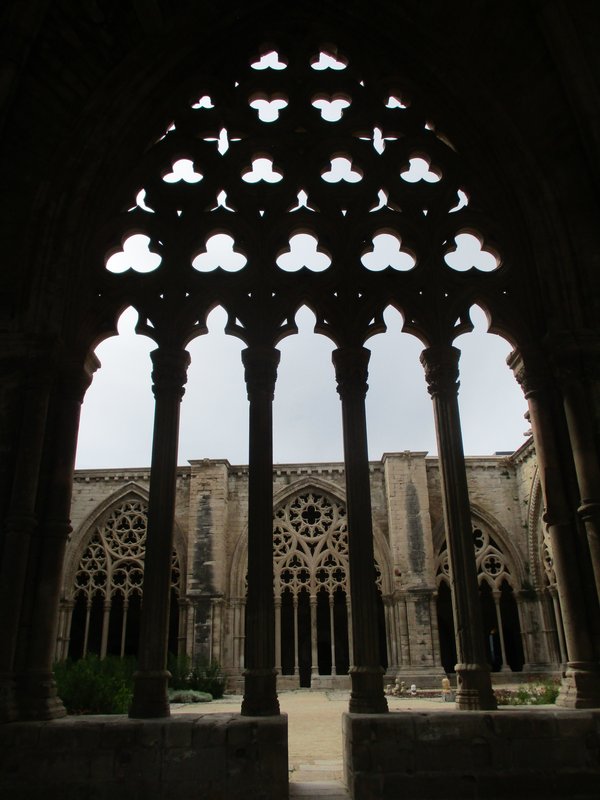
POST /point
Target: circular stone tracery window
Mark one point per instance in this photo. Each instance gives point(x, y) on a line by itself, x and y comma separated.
point(489, 559)
point(113, 561)
point(310, 545)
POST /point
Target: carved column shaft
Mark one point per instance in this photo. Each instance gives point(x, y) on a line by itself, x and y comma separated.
point(366, 673)
point(260, 689)
point(150, 698)
point(581, 683)
point(474, 690)
point(585, 457)
point(37, 688)
point(20, 524)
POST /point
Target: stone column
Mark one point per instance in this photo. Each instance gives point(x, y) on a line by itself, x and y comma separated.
point(366, 674)
point(580, 686)
point(560, 631)
point(105, 624)
point(435, 632)
point(497, 595)
point(169, 375)
point(20, 524)
point(260, 688)
point(314, 654)
point(37, 689)
point(296, 664)
point(278, 635)
point(474, 688)
point(583, 444)
point(332, 629)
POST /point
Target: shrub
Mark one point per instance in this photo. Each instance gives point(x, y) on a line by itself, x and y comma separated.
point(189, 696)
point(180, 668)
point(94, 686)
point(533, 694)
point(208, 678)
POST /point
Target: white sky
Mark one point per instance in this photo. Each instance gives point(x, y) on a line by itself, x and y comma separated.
point(116, 420)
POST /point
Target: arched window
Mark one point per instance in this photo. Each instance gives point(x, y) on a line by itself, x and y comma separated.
point(311, 582)
point(495, 576)
point(107, 587)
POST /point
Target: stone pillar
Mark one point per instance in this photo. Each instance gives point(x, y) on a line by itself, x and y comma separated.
point(332, 629)
point(296, 644)
point(314, 653)
point(403, 628)
point(583, 445)
point(20, 524)
point(37, 689)
point(474, 688)
point(260, 688)
point(278, 634)
point(435, 632)
point(560, 631)
point(367, 696)
point(169, 375)
point(580, 686)
point(497, 595)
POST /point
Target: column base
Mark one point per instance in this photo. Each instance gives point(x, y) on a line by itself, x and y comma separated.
point(580, 686)
point(474, 688)
point(150, 695)
point(366, 695)
point(38, 697)
point(9, 710)
point(260, 693)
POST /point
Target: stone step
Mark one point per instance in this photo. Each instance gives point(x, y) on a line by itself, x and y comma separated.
point(319, 790)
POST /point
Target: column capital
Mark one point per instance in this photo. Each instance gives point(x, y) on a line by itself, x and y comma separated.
point(440, 363)
point(351, 370)
point(531, 372)
point(260, 369)
point(75, 376)
point(169, 369)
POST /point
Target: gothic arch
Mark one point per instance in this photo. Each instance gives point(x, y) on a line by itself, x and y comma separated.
point(239, 561)
point(481, 518)
point(80, 538)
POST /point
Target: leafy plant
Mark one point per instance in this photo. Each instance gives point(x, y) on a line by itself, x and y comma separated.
point(189, 696)
point(94, 686)
point(180, 668)
point(208, 678)
point(533, 694)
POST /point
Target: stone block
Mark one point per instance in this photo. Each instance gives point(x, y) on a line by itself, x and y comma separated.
point(210, 730)
point(178, 732)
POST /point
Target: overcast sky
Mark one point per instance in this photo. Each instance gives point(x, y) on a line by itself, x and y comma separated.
point(116, 420)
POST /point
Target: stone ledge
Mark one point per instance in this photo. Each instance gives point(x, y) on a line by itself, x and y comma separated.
point(220, 756)
point(538, 753)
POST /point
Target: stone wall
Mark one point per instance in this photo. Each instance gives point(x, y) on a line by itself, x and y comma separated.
point(512, 753)
point(215, 756)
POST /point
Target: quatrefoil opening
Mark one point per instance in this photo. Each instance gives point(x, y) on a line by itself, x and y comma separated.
point(331, 108)
point(469, 253)
point(420, 169)
point(220, 253)
point(342, 169)
point(325, 60)
point(261, 170)
point(387, 252)
point(268, 108)
point(303, 252)
point(270, 60)
point(135, 255)
point(183, 170)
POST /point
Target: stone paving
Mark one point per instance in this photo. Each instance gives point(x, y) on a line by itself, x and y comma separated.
point(315, 734)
